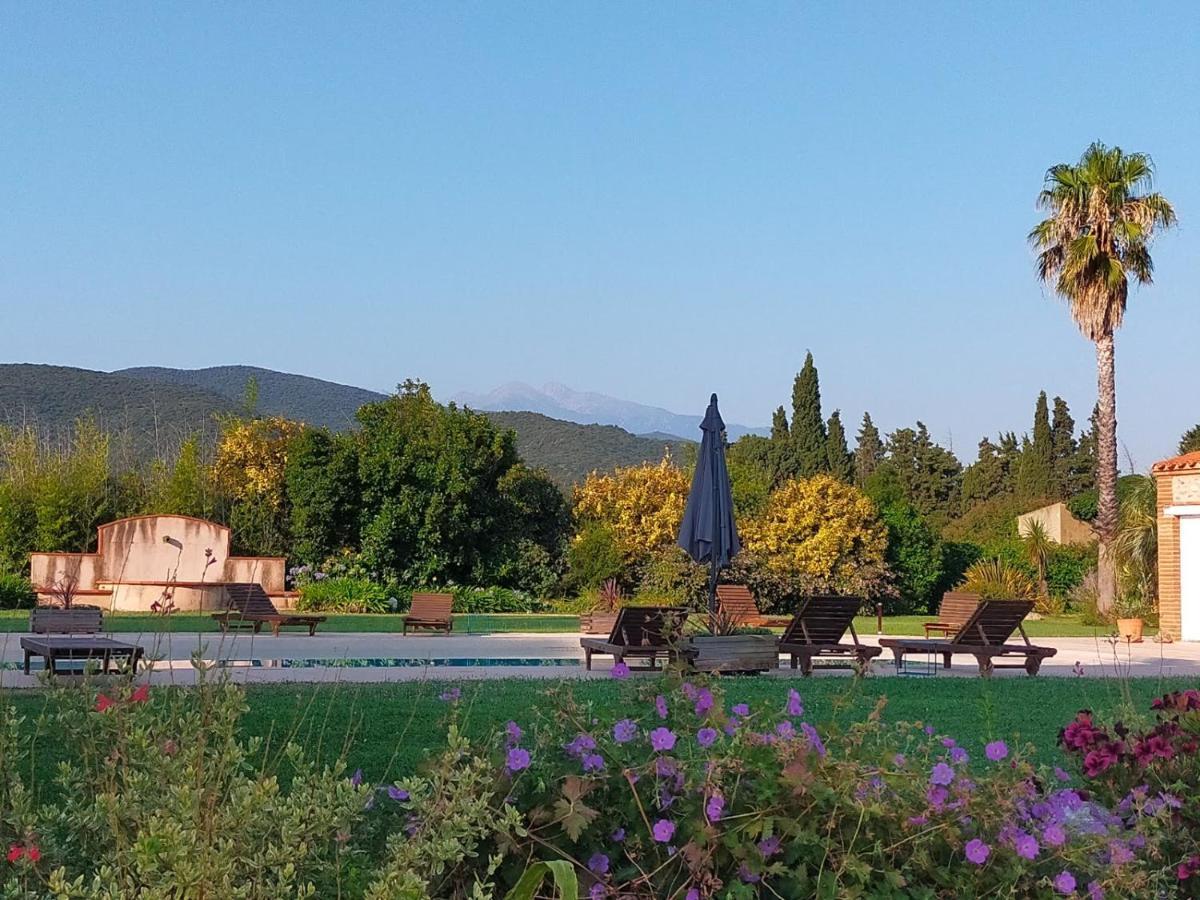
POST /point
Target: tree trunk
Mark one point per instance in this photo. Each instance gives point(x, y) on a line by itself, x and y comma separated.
point(1106, 470)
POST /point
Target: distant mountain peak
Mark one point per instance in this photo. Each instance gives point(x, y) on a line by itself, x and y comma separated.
point(559, 401)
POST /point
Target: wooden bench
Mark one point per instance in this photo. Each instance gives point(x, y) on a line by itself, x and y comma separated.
point(431, 612)
point(67, 634)
point(250, 607)
point(736, 604)
point(817, 630)
point(984, 636)
point(953, 613)
point(645, 632)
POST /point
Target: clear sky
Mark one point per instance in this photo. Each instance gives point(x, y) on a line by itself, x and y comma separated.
point(592, 193)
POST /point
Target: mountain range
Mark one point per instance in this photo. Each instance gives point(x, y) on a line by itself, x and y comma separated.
point(153, 408)
point(587, 408)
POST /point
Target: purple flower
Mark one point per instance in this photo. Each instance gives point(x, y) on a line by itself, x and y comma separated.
point(1062, 774)
point(1095, 891)
point(1054, 836)
point(514, 732)
point(450, 695)
point(1064, 883)
point(936, 796)
point(356, 778)
point(398, 794)
point(664, 830)
point(597, 891)
point(580, 744)
point(1026, 845)
point(704, 701)
point(624, 731)
point(1119, 853)
point(619, 671)
point(592, 762)
point(941, 774)
point(598, 863)
point(741, 709)
point(746, 875)
point(715, 807)
point(795, 707)
point(977, 851)
point(996, 751)
point(899, 760)
point(662, 739)
point(786, 730)
point(768, 846)
point(814, 739)
point(958, 756)
point(929, 730)
point(706, 737)
point(517, 760)
point(692, 894)
point(617, 836)
point(948, 742)
point(660, 706)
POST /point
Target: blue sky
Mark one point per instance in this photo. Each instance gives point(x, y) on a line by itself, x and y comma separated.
point(478, 193)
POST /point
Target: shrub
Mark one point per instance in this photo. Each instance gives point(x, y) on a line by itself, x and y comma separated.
point(594, 557)
point(642, 505)
point(670, 573)
point(995, 579)
point(342, 594)
point(479, 599)
point(914, 557)
point(16, 592)
point(1067, 567)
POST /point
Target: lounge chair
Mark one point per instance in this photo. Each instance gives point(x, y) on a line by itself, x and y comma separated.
point(817, 630)
point(736, 603)
point(953, 613)
point(984, 636)
point(73, 634)
point(431, 612)
point(250, 607)
point(641, 631)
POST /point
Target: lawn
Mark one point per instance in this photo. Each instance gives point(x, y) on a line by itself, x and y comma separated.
point(389, 729)
point(480, 623)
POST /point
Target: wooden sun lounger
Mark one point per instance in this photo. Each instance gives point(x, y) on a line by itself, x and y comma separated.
point(431, 612)
point(73, 634)
point(984, 636)
point(817, 630)
point(736, 603)
point(641, 631)
point(250, 607)
point(952, 615)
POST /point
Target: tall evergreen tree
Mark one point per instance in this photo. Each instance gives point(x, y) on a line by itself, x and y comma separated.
point(868, 454)
point(809, 455)
point(840, 462)
point(1035, 475)
point(1009, 452)
point(780, 454)
point(1062, 430)
point(984, 478)
point(930, 475)
point(1083, 469)
point(1190, 442)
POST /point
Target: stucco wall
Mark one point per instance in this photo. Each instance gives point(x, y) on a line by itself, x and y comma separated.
point(1061, 526)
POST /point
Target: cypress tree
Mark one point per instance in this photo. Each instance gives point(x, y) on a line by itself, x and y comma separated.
point(984, 478)
point(1062, 429)
point(809, 455)
point(1035, 474)
point(841, 463)
point(1190, 441)
point(780, 453)
point(868, 454)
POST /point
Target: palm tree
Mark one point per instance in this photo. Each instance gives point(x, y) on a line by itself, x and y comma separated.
point(1102, 218)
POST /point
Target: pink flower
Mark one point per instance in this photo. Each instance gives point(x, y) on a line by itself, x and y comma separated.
point(1054, 835)
point(941, 774)
point(104, 702)
point(1064, 883)
point(32, 853)
point(141, 695)
point(664, 830)
point(662, 739)
point(996, 751)
point(1026, 846)
point(977, 851)
point(15, 852)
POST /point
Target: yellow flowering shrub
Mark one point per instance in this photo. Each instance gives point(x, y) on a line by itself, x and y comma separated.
point(251, 457)
point(641, 505)
point(818, 529)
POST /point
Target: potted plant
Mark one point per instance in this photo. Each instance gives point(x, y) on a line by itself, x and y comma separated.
point(729, 647)
point(1129, 610)
point(603, 615)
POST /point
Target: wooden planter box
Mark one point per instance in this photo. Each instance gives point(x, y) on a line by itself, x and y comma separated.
point(736, 653)
point(597, 623)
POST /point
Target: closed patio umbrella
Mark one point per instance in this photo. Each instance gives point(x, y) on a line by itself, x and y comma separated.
point(708, 532)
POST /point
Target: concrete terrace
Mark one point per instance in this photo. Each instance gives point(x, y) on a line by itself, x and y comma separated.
point(375, 657)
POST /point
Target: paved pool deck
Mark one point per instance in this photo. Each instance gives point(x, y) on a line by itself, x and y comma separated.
point(375, 657)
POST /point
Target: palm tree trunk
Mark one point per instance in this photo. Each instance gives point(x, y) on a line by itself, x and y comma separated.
point(1106, 470)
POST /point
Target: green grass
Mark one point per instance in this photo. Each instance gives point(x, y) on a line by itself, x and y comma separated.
point(389, 730)
point(482, 623)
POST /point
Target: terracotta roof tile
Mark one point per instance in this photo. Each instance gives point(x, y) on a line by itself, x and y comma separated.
point(1178, 463)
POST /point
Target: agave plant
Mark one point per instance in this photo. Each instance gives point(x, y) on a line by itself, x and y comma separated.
point(995, 579)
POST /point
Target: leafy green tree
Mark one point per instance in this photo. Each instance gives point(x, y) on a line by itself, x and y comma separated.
point(914, 551)
point(809, 453)
point(1102, 219)
point(185, 488)
point(985, 478)
point(929, 474)
point(1190, 442)
point(869, 451)
point(840, 462)
point(751, 473)
point(1035, 472)
point(1062, 430)
point(324, 494)
point(430, 475)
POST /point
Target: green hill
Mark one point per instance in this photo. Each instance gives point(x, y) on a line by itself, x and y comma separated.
point(568, 452)
point(298, 397)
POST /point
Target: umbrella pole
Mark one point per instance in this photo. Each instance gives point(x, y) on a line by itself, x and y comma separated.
point(715, 553)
